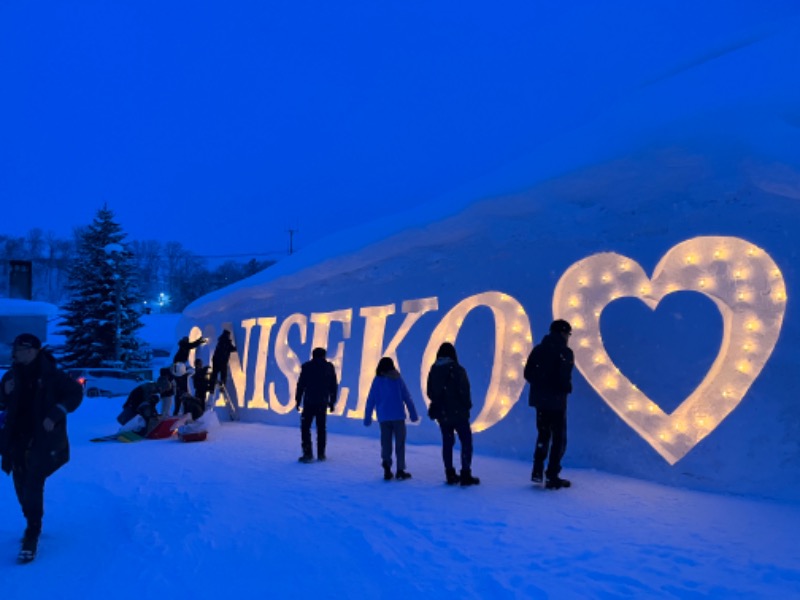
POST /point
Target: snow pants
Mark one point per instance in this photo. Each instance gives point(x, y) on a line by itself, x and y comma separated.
point(449, 429)
point(393, 431)
point(29, 487)
point(318, 414)
point(551, 426)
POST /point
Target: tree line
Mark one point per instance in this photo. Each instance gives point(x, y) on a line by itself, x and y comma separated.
point(158, 268)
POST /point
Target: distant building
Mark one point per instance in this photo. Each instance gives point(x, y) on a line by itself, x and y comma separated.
point(22, 316)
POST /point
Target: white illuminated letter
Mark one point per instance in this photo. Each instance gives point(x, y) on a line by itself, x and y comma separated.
point(372, 349)
point(262, 354)
point(511, 348)
point(322, 328)
point(287, 361)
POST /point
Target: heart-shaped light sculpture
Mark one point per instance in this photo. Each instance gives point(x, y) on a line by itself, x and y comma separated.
point(747, 288)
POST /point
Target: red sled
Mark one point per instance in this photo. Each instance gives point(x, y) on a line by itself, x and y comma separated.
point(165, 428)
point(193, 436)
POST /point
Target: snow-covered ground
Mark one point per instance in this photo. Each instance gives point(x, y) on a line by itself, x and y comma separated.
point(238, 516)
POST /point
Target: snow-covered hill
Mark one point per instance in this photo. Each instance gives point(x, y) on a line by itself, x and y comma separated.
point(696, 162)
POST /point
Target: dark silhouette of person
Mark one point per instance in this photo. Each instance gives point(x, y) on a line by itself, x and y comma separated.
point(450, 402)
point(548, 370)
point(36, 396)
point(219, 360)
point(317, 388)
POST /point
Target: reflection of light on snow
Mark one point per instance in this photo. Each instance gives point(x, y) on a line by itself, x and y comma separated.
point(748, 290)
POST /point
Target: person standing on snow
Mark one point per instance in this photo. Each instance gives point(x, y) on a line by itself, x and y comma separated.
point(450, 402)
point(316, 392)
point(390, 397)
point(37, 396)
point(548, 370)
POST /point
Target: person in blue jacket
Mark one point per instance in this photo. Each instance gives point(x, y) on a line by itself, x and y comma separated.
point(389, 397)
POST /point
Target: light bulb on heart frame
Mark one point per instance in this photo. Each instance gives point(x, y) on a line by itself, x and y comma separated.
point(743, 282)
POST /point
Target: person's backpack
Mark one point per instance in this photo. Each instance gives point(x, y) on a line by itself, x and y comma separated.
point(537, 373)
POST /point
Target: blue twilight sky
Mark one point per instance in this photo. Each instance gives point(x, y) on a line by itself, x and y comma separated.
point(223, 125)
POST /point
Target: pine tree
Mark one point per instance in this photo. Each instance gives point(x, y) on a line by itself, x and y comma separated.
point(103, 313)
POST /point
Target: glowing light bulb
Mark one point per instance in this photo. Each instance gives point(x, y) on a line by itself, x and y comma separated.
point(605, 278)
point(753, 325)
point(625, 266)
point(743, 367)
point(574, 301)
point(599, 358)
point(512, 375)
point(584, 343)
point(611, 382)
point(582, 281)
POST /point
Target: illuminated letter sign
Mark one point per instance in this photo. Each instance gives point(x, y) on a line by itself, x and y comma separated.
point(747, 288)
point(511, 347)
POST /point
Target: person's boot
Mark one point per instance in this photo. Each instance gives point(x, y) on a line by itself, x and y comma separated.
point(451, 477)
point(306, 458)
point(556, 483)
point(30, 544)
point(467, 479)
point(402, 475)
point(537, 475)
point(387, 471)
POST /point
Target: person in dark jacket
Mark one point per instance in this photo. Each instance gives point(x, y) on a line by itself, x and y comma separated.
point(185, 347)
point(37, 397)
point(548, 370)
point(200, 381)
point(316, 392)
point(219, 361)
point(450, 402)
point(390, 398)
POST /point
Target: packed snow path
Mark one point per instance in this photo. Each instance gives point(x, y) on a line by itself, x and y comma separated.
point(238, 516)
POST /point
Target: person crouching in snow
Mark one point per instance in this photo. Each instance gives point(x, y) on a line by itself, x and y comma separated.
point(389, 396)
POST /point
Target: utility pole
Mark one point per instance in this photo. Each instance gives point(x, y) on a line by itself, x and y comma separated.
point(291, 237)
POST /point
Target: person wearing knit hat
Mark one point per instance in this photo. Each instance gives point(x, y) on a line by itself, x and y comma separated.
point(36, 396)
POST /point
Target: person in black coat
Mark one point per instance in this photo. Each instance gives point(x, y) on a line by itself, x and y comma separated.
point(200, 381)
point(549, 373)
point(37, 397)
point(316, 392)
point(185, 347)
point(219, 360)
point(450, 402)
